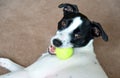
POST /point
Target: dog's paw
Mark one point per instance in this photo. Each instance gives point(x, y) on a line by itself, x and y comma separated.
point(4, 62)
point(10, 65)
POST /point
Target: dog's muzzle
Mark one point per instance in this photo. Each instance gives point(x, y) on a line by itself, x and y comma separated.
point(55, 43)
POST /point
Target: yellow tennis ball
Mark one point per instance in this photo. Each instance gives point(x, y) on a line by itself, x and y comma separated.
point(64, 53)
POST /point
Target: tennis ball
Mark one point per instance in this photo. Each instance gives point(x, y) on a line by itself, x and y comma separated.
point(64, 53)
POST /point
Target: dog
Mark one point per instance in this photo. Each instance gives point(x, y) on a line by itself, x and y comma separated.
point(74, 30)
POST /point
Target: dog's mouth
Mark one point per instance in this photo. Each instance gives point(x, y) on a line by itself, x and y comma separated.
point(51, 50)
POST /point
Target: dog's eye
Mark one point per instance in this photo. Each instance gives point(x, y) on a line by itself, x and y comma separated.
point(77, 36)
point(63, 23)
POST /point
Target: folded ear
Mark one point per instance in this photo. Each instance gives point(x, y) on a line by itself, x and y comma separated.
point(69, 8)
point(97, 31)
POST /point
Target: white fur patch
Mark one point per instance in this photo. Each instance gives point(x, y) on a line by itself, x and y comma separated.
point(76, 22)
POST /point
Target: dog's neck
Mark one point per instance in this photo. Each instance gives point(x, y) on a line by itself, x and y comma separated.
point(89, 48)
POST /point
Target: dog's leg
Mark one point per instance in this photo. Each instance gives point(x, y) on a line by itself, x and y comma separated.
point(10, 65)
point(17, 74)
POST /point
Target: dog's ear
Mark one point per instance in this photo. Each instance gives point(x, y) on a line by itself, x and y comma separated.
point(97, 31)
point(69, 8)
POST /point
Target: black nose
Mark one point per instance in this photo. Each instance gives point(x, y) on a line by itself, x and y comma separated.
point(57, 42)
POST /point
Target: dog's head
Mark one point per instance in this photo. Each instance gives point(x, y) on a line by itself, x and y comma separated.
point(75, 29)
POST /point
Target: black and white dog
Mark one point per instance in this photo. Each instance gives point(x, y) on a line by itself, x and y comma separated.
point(74, 30)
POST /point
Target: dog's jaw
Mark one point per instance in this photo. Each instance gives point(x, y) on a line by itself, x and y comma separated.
point(86, 49)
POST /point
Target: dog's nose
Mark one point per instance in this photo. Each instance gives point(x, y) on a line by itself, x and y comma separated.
point(57, 42)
